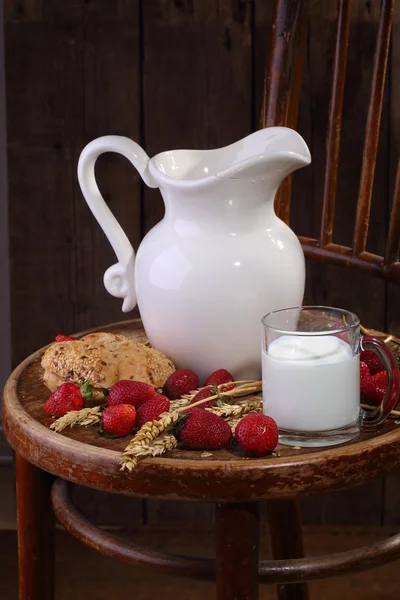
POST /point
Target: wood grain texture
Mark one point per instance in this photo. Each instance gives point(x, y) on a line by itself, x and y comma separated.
point(335, 121)
point(204, 47)
point(35, 522)
point(262, 24)
point(286, 531)
point(159, 513)
point(237, 549)
point(73, 74)
point(40, 208)
point(281, 71)
point(283, 77)
point(111, 104)
point(372, 132)
point(393, 240)
point(5, 328)
point(109, 510)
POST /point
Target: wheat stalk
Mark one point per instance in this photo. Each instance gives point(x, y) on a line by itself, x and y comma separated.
point(234, 411)
point(151, 430)
point(387, 338)
point(131, 456)
point(395, 413)
point(184, 401)
point(245, 389)
point(83, 417)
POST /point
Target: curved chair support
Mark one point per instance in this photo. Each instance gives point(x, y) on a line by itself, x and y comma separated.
point(331, 565)
point(123, 550)
point(270, 571)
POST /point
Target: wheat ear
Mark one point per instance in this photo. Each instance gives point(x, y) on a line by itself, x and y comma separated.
point(131, 456)
point(83, 417)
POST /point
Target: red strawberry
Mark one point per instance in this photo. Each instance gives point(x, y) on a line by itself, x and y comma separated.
point(380, 380)
point(152, 409)
point(119, 420)
point(209, 391)
point(367, 389)
point(203, 430)
point(65, 398)
point(226, 387)
point(373, 388)
point(219, 377)
point(257, 433)
point(130, 392)
point(373, 362)
point(364, 371)
point(181, 382)
point(201, 395)
point(64, 338)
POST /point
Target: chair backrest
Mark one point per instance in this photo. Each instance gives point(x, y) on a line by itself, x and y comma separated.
point(280, 105)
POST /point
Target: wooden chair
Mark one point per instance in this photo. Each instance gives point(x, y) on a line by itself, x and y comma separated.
point(280, 105)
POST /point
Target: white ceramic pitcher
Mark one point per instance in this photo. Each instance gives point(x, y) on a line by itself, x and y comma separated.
point(220, 258)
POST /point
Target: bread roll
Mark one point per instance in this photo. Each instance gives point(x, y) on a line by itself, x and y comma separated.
point(103, 359)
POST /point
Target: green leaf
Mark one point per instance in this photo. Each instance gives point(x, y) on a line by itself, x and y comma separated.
point(177, 428)
point(229, 399)
point(110, 436)
point(214, 389)
point(87, 390)
point(218, 402)
point(103, 433)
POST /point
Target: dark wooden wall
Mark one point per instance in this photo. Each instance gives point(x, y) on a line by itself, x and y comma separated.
point(5, 329)
point(174, 73)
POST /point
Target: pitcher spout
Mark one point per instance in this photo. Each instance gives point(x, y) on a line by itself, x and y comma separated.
point(269, 154)
point(266, 155)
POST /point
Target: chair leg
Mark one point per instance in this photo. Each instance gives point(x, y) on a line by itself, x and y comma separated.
point(35, 521)
point(237, 533)
point(287, 542)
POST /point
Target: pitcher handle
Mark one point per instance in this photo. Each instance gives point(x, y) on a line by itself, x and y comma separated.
point(119, 280)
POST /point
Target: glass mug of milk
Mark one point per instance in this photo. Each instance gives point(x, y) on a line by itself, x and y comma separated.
point(311, 375)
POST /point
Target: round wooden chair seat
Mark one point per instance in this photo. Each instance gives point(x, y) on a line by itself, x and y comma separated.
point(81, 455)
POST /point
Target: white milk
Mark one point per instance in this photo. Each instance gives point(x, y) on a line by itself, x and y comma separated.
point(311, 383)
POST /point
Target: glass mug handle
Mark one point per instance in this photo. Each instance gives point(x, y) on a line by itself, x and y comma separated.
point(377, 416)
